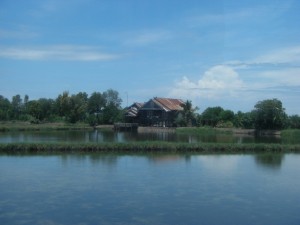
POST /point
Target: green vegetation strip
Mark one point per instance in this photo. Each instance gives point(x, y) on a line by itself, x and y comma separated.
point(141, 147)
point(203, 130)
point(26, 126)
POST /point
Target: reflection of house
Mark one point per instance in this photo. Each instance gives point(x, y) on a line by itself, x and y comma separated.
point(160, 112)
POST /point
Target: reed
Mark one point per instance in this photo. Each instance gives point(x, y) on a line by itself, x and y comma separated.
point(141, 147)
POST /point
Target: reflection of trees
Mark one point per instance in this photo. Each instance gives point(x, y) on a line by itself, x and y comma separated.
point(104, 159)
point(269, 160)
point(109, 160)
point(162, 159)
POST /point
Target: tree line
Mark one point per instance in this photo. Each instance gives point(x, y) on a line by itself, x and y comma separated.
point(98, 108)
point(267, 114)
point(105, 108)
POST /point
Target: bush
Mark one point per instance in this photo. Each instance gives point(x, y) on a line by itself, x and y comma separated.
point(227, 124)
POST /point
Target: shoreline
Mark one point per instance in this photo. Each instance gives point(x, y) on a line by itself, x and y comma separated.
point(27, 126)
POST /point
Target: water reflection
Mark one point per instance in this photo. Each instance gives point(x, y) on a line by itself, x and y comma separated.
point(269, 160)
point(99, 136)
point(220, 164)
point(165, 159)
point(109, 160)
point(95, 159)
point(149, 189)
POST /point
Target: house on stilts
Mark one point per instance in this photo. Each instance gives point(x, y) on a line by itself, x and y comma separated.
point(160, 112)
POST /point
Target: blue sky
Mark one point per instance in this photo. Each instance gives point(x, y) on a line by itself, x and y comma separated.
point(216, 53)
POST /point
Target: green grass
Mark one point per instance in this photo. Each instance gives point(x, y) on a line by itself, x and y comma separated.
point(202, 130)
point(291, 133)
point(142, 147)
point(27, 126)
point(291, 136)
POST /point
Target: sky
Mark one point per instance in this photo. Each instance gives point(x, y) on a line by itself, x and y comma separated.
point(224, 53)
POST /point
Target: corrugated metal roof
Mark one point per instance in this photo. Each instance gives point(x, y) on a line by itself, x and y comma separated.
point(132, 111)
point(169, 104)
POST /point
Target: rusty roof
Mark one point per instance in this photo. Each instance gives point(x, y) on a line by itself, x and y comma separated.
point(169, 104)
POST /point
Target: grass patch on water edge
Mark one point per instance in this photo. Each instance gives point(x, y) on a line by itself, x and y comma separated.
point(145, 147)
point(203, 130)
point(295, 133)
point(27, 126)
point(291, 136)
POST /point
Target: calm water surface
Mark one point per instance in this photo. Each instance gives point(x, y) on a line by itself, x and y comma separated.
point(110, 136)
point(150, 189)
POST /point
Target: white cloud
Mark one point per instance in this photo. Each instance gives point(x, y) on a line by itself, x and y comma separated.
point(283, 77)
point(260, 14)
point(62, 52)
point(216, 82)
point(288, 55)
point(218, 166)
point(20, 33)
point(148, 37)
point(284, 57)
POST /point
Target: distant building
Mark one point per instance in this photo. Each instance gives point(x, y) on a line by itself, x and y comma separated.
point(160, 112)
point(131, 113)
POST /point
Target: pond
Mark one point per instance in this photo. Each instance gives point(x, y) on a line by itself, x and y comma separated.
point(97, 136)
point(93, 189)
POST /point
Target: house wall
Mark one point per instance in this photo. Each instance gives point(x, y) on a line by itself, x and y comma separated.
point(158, 118)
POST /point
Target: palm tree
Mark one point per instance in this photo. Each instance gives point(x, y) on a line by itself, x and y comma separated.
point(189, 113)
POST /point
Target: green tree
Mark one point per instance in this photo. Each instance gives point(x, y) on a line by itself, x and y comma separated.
point(226, 119)
point(34, 109)
point(227, 115)
point(5, 108)
point(41, 109)
point(17, 105)
point(211, 116)
point(96, 103)
point(78, 107)
point(112, 111)
point(188, 116)
point(294, 122)
point(63, 104)
point(269, 114)
point(47, 108)
point(244, 120)
point(112, 98)
point(26, 100)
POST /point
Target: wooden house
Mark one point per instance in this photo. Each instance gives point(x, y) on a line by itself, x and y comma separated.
point(131, 112)
point(160, 112)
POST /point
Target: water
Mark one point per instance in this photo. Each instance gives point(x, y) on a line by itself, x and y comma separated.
point(149, 189)
point(97, 136)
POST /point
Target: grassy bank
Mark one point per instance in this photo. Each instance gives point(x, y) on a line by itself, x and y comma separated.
point(27, 126)
point(142, 147)
point(294, 133)
point(291, 136)
point(203, 130)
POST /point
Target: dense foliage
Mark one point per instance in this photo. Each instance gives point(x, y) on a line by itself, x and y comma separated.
point(188, 117)
point(267, 114)
point(99, 108)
